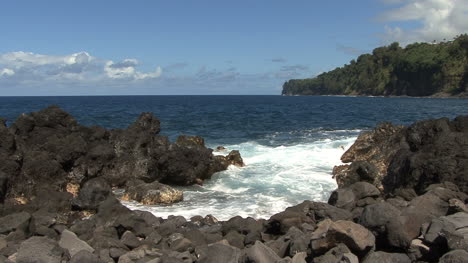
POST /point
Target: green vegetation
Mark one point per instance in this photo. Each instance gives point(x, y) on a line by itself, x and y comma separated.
point(419, 69)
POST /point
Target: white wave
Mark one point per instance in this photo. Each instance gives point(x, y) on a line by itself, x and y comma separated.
point(274, 178)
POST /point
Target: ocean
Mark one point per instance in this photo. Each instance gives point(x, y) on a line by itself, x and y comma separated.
point(289, 144)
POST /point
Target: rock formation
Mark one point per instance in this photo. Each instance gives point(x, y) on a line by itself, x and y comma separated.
point(367, 219)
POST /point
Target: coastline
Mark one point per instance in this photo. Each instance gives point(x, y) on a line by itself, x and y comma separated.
point(380, 211)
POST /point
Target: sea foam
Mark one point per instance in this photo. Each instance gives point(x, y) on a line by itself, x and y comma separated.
point(274, 178)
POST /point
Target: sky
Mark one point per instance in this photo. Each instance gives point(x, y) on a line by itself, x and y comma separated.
point(212, 47)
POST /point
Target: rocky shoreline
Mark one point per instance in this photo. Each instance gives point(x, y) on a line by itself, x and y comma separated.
point(401, 198)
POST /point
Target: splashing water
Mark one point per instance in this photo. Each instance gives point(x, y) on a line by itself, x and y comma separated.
point(274, 178)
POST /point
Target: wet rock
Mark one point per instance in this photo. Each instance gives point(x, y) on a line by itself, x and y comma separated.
point(70, 242)
point(40, 249)
point(152, 193)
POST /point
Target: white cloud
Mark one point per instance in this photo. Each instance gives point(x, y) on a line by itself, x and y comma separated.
point(436, 20)
point(126, 70)
point(7, 72)
point(26, 68)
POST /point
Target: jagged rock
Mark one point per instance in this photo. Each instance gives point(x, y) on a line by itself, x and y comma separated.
point(354, 236)
point(384, 257)
point(299, 242)
point(218, 252)
point(260, 253)
point(370, 155)
point(13, 222)
point(92, 194)
point(438, 142)
point(70, 242)
point(152, 193)
point(40, 249)
point(130, 240)
point(451, 230)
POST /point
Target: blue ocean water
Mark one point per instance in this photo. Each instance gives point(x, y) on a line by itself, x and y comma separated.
point(289, 144)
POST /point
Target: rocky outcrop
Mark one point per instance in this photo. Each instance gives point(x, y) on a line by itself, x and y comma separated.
point(394, 158)
point(50, 150)
point(362, 222)
point(152, 193)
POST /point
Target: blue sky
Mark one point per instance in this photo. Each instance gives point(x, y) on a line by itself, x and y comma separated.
point(200, 47)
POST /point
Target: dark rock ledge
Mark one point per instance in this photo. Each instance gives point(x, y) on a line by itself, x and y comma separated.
point(402, 198)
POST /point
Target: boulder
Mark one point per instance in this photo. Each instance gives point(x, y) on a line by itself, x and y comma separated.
point(370, 155)
point(384, 257)
point(218, 252)
point(354, 236)
point(92, 193)
point(85, 256)
point(70, 242)
point(343, 198)
point(421, 209)
point(130, 240)
point(13, 222)
point(454, 256)
point(40, 249)
point(260, 253)
point(152, 193)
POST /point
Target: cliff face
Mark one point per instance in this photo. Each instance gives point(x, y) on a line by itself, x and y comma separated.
point(420, 69)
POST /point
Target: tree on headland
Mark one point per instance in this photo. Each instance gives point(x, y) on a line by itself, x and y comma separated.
point(419, 69)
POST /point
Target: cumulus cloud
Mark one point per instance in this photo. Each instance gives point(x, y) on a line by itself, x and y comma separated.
point(26, 68)
point(435, 20)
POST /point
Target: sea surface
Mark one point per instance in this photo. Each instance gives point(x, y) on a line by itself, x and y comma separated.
point(289, 144)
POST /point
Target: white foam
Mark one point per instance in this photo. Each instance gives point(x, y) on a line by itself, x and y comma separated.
point(274, 178)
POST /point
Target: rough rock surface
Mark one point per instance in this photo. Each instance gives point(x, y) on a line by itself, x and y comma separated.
point(152, 193)
point(56, 203)
point(393, 157)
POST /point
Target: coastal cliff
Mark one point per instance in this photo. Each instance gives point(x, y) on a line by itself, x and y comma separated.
point(402, 198)
point(419, 69)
